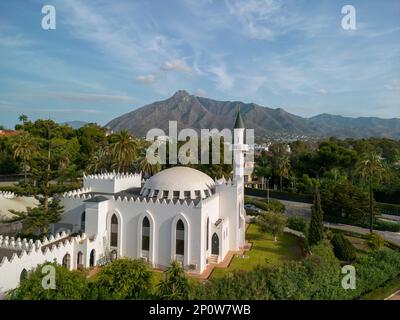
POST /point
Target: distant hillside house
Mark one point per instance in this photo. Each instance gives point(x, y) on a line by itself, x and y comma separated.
point(4, 133)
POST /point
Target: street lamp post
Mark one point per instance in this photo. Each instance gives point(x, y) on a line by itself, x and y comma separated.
point(268, 189)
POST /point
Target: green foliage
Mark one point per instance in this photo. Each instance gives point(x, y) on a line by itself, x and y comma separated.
point(70, 285)
point(316, 277)
point(122, 279)
point(298, 223)
point(273, 205)
point(273, 222)
point(175, 285)
point(316, 229)
point(375, 241)
point(343, 248)
point(39, 219)
point(345, 200)
point(386, 225)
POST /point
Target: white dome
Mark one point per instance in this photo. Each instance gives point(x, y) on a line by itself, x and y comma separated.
point(179, 183)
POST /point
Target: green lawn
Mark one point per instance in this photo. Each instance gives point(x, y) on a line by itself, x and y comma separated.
point(383, 292)
point(264, 250)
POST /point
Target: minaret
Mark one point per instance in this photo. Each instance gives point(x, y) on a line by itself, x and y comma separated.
point(238, 149)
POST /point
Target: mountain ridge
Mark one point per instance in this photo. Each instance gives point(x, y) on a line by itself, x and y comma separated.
point(196, 112)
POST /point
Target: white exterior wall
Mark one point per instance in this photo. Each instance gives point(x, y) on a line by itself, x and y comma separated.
point(10, 270)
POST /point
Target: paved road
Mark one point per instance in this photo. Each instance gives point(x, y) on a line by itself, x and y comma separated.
point(304, 209)
point(395, 296)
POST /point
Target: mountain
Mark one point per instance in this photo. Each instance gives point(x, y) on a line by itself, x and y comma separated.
point(197, 112)
point(75, 124)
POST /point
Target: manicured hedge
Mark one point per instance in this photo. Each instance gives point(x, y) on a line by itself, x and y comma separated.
point(388, 208)
point(273, 205)
point(279, 195)
point(378, 224)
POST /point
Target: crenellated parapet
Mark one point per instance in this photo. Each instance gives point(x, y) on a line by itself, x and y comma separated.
point(79, 193)
point(7, 194)
point(27, 254)
point(112, 182)
point(186, 203)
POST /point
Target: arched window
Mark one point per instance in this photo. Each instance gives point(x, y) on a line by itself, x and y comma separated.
point(146, 234)
point(208, 232)
point(23, 275)
point(180, 238)
point(66, 262)
point(92, 258)
point(114, 231)
point(83, 221)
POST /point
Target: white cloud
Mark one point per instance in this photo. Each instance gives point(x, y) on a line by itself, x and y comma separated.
point(255, 15)
point(177, 65)
point(85, 97)
point(323, 91)
point(200, 93)
point(146, 79)
point(221, 77)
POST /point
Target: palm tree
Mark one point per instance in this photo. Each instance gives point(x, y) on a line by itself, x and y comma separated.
point(123, 150)
point(148, 168)
point(24, 148)
point(99, 161)
point(283, 168)
point(23, 118)
point(372, 170)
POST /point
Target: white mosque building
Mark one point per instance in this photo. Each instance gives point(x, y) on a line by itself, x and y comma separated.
point(178, 214)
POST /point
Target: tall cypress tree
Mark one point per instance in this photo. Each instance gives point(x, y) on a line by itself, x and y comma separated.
point(316, 231)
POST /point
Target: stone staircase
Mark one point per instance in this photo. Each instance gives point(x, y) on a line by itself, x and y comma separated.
point(213, 259)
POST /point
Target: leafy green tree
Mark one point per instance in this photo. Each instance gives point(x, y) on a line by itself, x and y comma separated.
point(24, 147)
point(38, 218)
point(175, 285)
point(123, 279)
point(345, 200)
point(272, 222)
point(70, 285)
point(372, 170)
point(316, 229)
point(123, 150)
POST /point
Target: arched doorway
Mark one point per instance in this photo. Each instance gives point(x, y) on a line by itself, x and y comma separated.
point(66, 262)
point(215, 244)
point(92, 258)
point(23, 275)
point(114, 231)
point(79, 261)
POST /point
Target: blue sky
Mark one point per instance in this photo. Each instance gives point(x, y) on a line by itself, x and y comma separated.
point(106, 58)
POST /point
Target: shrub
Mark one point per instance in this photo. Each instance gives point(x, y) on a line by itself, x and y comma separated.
point(342, 248)
point(70, 285)
point(273, 222)
point(298, 223)
point(273, 205)
point(122, 279)
point(386, 226)
point(375, 241)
